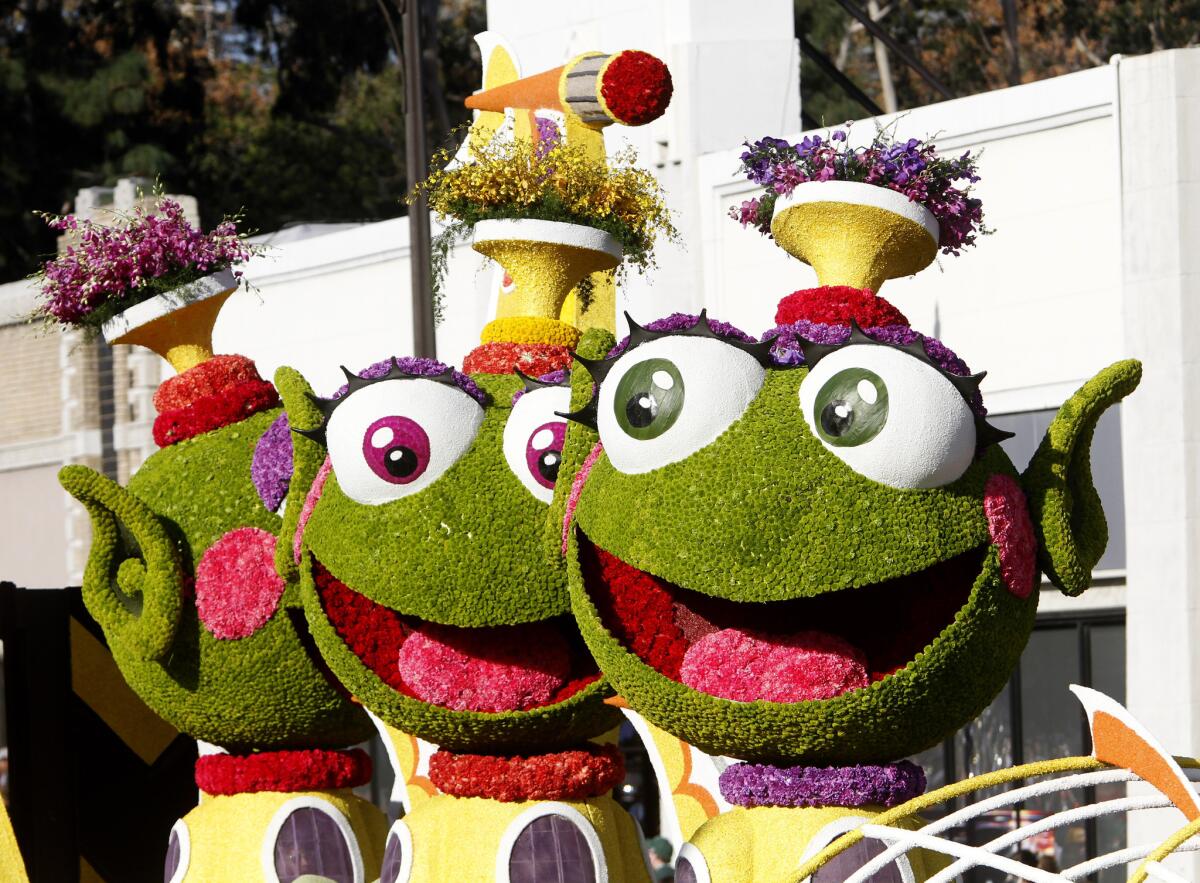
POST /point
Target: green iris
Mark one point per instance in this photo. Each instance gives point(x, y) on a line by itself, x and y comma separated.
point(851, 408)
point(649, 399)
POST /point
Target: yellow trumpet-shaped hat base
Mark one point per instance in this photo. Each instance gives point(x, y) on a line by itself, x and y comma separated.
point(176, 324)
point(545, 260)
point(182, 337)
point(851, 244)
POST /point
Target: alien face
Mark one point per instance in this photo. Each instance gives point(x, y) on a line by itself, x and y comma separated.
point(831, 563)
point(430, 589)
point(219, 646)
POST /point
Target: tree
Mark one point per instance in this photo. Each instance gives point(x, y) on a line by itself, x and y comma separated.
point(289, 109)
point(969, 45)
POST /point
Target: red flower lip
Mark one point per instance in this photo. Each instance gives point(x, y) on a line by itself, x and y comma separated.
point(881, 627)
point(508, 668)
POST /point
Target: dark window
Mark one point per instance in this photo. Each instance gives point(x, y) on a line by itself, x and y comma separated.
point(845, 863)
point(1037, 718)
point(310, 842)
point(393, 854)
point(551, 849)
point(174, 853)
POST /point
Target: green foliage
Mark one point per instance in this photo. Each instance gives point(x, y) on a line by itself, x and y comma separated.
point(1063, 500)
point(290, 108)
point(139, 609)
point(968, 45)
point(262, 691)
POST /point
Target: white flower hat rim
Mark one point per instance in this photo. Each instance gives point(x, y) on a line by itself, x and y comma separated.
point(160, 305)
point(858, 193)
point(554, 232)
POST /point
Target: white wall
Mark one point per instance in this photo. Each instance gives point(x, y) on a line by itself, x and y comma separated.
point(344, 298)
point(1036, 304)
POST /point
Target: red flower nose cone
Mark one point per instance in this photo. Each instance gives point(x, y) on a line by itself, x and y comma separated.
point(636, 87)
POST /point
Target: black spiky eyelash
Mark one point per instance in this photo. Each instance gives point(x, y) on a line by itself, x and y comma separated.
point(966, 384)
point(599, 368)
point(354, 383)
point(532, 383)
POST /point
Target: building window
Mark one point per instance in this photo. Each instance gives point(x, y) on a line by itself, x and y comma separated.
point(1037, 718)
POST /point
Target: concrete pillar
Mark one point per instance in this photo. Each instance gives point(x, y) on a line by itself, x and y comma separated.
point(1159, 115)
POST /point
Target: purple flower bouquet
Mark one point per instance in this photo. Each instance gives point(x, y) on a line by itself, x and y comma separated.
point(912, 168)
point(108, 269)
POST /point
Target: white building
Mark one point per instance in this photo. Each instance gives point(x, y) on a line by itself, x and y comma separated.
point(1090, 181)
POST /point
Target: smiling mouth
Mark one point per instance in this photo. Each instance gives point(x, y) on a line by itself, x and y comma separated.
point(795, 650)
point(487, 669)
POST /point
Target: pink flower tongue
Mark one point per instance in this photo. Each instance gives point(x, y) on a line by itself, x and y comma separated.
point(506, 668)
point(743, 665)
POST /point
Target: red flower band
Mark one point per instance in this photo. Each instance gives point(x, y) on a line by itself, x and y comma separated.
point(214, 411)
point(311, 770)
point(534, 359)
point(565, 775)
point(206, 379)
point(837, 305)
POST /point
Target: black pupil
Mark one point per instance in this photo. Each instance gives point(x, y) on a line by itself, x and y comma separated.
point(400, 461)
point(641, 409)
point(837, 417)
point(548, 464)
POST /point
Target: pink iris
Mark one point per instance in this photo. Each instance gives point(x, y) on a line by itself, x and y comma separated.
point(543, 452)
point(397, 449)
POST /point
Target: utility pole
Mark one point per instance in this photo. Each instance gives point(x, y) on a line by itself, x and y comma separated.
point(886, 86)
point(416, 166)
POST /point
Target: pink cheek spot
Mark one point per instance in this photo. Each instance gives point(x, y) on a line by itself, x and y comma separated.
point(577, 484)
point(237, 588)
point(745, 666)
point(485, 669)
point(1012, 533)
point(310, 503)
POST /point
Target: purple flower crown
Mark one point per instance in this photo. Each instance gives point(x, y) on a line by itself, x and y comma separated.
point(911, 167)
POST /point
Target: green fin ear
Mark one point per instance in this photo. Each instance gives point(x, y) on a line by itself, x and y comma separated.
point(595, 344)
point(134, 590)
point(307, 457)
point(1066, 509)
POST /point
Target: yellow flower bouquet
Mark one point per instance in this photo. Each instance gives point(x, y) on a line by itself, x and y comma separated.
point(547, 181)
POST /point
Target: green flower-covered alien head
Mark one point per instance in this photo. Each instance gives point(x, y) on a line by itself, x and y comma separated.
point(181, 578)
point(816, 553)
point(428, 577)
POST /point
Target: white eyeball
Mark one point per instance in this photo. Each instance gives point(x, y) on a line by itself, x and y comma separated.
point(533, 438)
point(394, 438)
point(889, 416)
point(672, 396)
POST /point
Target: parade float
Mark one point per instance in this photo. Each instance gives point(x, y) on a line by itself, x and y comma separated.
point(182, 571)
point(808, 552)
point(425, 540)
point(804, 551)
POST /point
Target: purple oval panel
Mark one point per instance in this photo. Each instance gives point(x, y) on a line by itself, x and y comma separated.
point(551, 849)
point(841, 866)
point(684, 872)
point(174, 853)
point(393, 855)
point(310, 842)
